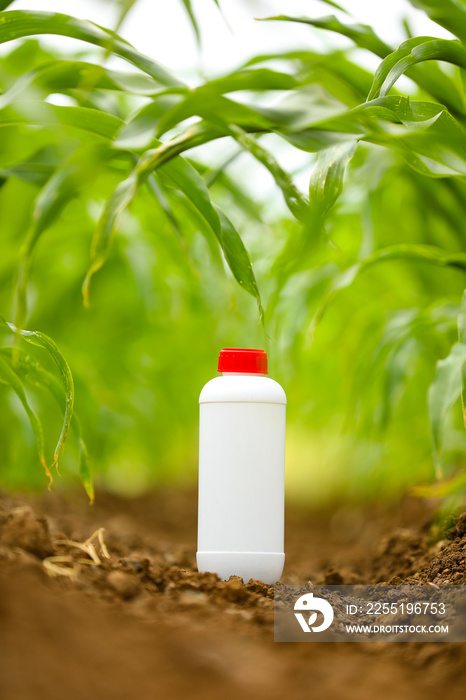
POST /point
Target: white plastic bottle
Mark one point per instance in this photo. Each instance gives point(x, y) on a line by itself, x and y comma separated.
point(242, 470)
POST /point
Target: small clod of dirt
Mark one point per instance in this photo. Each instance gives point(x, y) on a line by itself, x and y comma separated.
point(233, 590)
point(23, 529)
point(125, 585)
point(333, 578)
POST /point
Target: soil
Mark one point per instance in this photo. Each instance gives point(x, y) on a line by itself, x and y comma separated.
point(123, 613)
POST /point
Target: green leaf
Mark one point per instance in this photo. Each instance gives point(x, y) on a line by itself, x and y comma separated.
point(238, 259)
point(166, 158)
point(411, 52)
point(440, 489)
point(442, 394)
point(432, 141)
point(462, 340)
point(37, 169)
point(244, 200)
point(208, 102)
point(126, 7)
point(17, 24)
point(394, 360)
point(334, 4)
point(120, 199)
point(92, 121)
point(33, 373)
point(43, 341)
point(160, 196)
point(188, 181)
point(341, 77)
point(59, 189)
point(8, 376)
point(450, 14)
point(402, 251)
point(215, 108)
point(296, 202)
point(440, 152)
point(65, 184)
point(140, 131)
point(326, 182)
point(361, 34)
point(462, 321)
point(85, 469)
point(325, 187)
point(430, 78)
point(259, 80)
point(64, 76)
point(225, 120)
point(188, 7)
point(399, 366)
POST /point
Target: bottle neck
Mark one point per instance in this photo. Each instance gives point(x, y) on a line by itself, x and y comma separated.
point(242, 374)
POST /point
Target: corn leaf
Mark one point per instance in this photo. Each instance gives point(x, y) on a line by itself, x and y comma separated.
point(440, 489)
point(51, 200)
point(139, 132)
point(432, 141)
point(215, 108)
point(325, 187)
point(296, 202)
point(190, 12)
point(237, 258)
point(92, 121)
point(333, 4)
point(30, 371)
point(17, 24)
point(361, 34)
point(37, 169)
point(430, 78)
point(326, 181)
point(442, 394)
point(65, 184)
point(462, 340)
point(9, 377)
point(185, 177)
point(411, 52)
point(64, 76)
point(342, 78)
point(259, 80)
point(450, 14)
point(126, 7)
point(416, 253)
point(399, 366)
point(43, 341)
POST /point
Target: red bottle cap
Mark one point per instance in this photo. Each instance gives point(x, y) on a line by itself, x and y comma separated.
point(242, 360)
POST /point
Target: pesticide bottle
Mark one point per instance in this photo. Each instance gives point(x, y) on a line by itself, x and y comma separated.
point(242, 470)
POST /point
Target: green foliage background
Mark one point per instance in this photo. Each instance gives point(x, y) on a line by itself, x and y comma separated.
point(125, 242)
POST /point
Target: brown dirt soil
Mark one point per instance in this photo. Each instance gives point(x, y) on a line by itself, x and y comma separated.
point(139, 621)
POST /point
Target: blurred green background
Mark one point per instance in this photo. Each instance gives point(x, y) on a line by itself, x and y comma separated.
point(165, 302)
